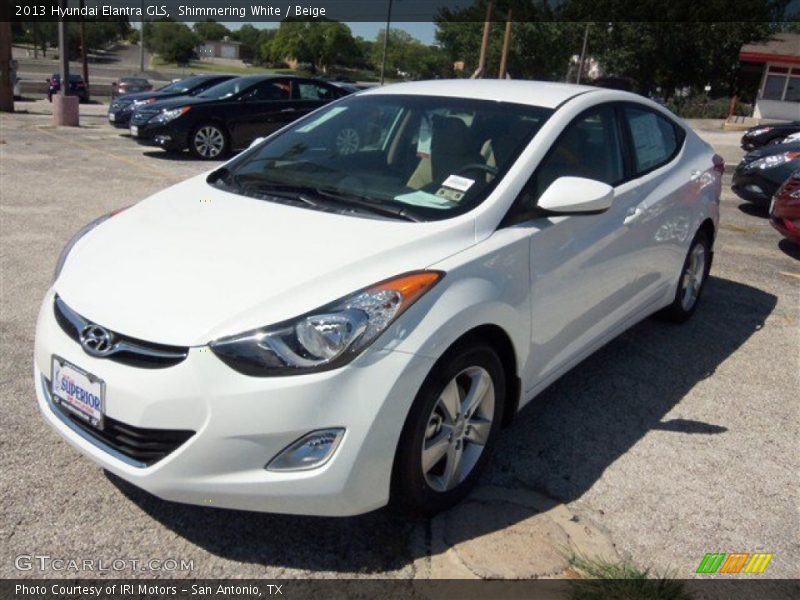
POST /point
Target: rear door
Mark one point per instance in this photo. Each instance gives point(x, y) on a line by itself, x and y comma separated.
point(259, 111)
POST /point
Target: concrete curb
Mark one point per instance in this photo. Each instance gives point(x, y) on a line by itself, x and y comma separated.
point(504, 533)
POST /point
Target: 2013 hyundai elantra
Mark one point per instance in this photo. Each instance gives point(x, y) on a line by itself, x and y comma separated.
point(349, 311)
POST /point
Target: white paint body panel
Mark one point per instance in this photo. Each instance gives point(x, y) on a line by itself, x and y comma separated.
point(193, 263)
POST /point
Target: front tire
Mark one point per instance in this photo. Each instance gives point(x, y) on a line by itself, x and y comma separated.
point(209, 141)
point(692, 281)
point(449, 433)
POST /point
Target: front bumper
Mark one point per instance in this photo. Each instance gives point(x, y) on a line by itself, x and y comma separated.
point(753, 186)
point(162, 136)
point(242, 422)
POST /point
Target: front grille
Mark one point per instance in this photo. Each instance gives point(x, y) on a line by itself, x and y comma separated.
point(126, 350)
point(143, 115)
point(144, 447)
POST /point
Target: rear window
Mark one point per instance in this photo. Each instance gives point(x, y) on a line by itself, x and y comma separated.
point(656, 140)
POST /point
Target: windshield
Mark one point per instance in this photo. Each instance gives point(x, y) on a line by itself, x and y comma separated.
point(427, 157)
point(229, 88)
point(183, 86)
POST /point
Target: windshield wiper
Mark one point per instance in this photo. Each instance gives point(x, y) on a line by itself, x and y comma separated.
point(369, 204)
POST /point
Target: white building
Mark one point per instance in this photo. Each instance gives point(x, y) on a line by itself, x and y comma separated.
point(777, 63)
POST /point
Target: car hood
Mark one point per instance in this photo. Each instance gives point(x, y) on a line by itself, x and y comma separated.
point(159, 96)
point(176, 101)
point(193, 263)
point(770, 150)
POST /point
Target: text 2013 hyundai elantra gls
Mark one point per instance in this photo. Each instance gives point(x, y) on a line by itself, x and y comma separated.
point(350, 311)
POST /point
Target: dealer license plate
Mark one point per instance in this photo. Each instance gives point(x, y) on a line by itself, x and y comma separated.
point(80, 392)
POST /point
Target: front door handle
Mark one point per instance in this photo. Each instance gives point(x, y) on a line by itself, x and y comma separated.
point(285, 110)
point(632, 215)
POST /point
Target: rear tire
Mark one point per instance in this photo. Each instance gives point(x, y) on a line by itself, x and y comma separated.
point(691, 282)
point(450, 431)
point(209, 141)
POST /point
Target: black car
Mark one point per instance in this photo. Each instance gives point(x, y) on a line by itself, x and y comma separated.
point(121, 107)
point(77, 87)
point(230, 115)
point(763, 171)
point(763, 135)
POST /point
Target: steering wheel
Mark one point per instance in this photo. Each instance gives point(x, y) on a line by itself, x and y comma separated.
point(478, 167)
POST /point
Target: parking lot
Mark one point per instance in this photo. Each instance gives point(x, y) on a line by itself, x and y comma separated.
point(670, 442)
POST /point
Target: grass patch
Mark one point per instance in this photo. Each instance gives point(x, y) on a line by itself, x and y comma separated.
point(208, 67)
point(622, 581)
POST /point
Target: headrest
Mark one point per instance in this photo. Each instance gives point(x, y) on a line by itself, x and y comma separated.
point(450, 135)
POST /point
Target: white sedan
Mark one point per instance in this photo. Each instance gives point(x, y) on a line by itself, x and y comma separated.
point(348, 312)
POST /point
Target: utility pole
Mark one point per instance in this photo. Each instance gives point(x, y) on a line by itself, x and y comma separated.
point(84, 59)
point(506, 44)
point(583, 53)
point(386, 41)
point(65, 106)
point(63, 52)
point(141, 42)
point(487, 24)
point(6, 85)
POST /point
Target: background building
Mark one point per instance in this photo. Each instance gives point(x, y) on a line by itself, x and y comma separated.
point(773, 68)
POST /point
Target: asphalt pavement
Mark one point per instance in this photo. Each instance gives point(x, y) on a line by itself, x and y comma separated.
point(670, 442)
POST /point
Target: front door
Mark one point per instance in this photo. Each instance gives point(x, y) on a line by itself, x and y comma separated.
point(585, 276)
point(260, 110)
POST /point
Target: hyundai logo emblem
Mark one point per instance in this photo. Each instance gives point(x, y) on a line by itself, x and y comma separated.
point(97, 340)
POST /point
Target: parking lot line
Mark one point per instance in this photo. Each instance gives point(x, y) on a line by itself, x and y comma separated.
point(138, 165)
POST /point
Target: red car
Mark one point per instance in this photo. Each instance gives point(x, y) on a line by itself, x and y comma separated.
point(784, 212)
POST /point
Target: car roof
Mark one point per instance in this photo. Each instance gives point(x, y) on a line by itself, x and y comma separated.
point(534, 93)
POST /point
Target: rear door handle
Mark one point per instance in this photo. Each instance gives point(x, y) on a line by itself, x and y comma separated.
point(632, 215)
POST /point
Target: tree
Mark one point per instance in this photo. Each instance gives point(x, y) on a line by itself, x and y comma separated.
point(211, 30)
point(248, 36)
point(321, 44)
point(173, 42)
point(407, 57)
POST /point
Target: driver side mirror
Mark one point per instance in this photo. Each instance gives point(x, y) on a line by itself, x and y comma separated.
point(576, 195)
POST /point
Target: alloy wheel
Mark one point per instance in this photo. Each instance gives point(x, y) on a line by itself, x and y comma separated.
point(693, 277)
point(347, 141)
point(458, 429)
point(209, 141)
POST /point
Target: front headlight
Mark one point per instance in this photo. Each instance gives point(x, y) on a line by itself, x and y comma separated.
point(62, 258)
point(772, 161)
point(143, 102)
point(756, 132)
point(326, 338)
point(165, 116)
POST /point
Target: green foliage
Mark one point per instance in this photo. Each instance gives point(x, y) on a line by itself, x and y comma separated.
point(319, 43)
point(701, 106)
point(211, 30)
point(173, 42)
point(407, 57)
point(659, 57)
point(100, 33)
point(622, 580)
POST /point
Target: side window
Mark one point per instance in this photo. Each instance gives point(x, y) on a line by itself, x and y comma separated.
point(655, 139)
point(312, 91)
point(589, 147)
point(270, 90)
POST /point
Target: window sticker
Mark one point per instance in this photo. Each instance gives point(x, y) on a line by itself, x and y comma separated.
point(424, 141)
point(426, 199)
point(321, 119)
point(647, 138)
point(456, 182)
